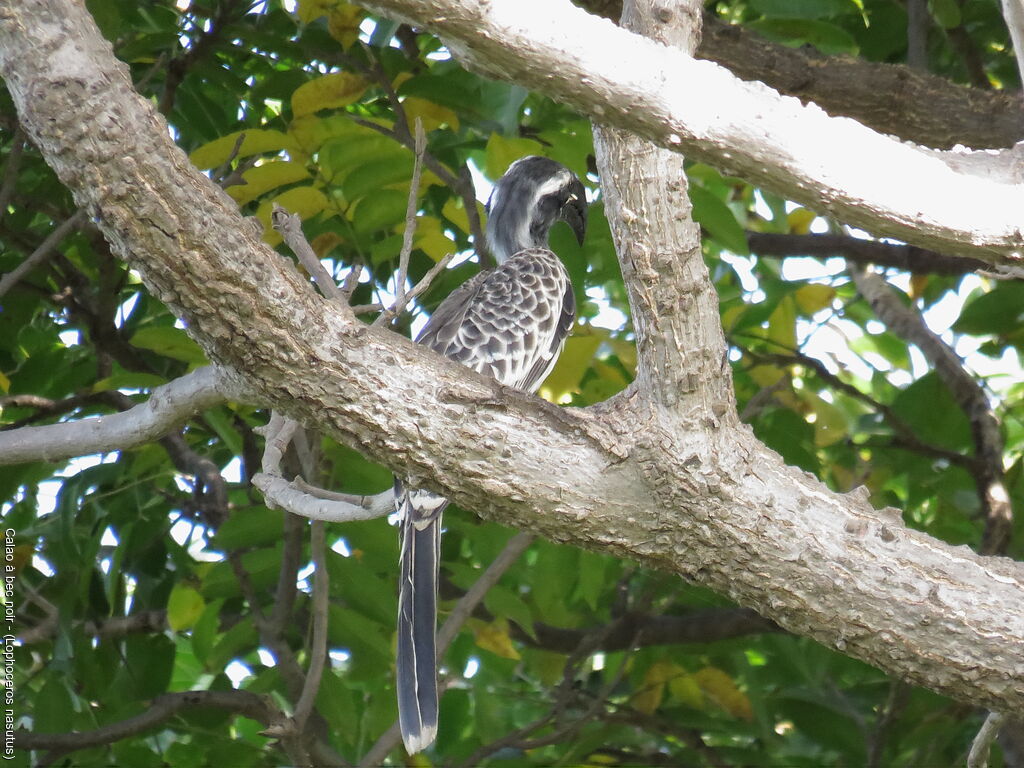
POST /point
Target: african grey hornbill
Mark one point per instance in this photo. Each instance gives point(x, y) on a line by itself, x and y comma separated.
point(511, 323)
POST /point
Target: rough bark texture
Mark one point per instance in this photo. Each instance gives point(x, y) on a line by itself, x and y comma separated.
point(891, 98)
point(708, 502)
point(957, 203)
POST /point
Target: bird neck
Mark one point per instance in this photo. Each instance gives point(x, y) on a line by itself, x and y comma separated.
point(511, 230)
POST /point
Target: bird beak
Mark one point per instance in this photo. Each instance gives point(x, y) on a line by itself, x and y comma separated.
point(574, 212)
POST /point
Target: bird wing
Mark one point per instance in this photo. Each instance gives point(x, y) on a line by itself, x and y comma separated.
point(509, 322)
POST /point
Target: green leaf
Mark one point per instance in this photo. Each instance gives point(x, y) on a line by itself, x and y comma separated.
point(827, 38)
point(999, 311)
point(52, 707)
point(380, 210)
point(802, 9)
point(184, 607)
point(504, 603)
point(946, 13)
point(170, 342)
point(717, 218)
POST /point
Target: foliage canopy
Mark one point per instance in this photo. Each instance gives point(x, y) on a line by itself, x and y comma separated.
point(149, 571)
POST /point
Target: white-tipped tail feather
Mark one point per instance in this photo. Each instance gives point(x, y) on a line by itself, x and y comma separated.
point(417, 617)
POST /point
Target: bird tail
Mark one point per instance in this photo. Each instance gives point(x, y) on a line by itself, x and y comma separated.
point(417, 619)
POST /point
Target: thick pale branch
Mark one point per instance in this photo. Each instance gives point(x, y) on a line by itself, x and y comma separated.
point(680, 346)
point(958, 203)
point(891, 98)
point(167, 407)
point(713, 506)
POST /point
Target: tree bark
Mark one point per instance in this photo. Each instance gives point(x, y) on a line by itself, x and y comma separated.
point(890, 98)
point(706, 500)
point(960, 203)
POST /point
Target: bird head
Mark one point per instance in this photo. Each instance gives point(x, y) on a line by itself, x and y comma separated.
point(534, 193)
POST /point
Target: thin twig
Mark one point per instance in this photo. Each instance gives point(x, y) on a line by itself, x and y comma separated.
point(969, 395)
point(318, 646)
point(351, 281)
point(289, 225)
point(259, 708)
point(401, 297)
point(42, 252)
point(978, 756)
point(461, 183)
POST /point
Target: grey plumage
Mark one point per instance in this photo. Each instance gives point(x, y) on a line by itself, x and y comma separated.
point(511, 323)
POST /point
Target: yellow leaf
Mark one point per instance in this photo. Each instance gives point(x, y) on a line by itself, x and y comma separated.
point(813, 297)
point(432, 115)
point(5, 383)
point(263, 178)
point(800, 220)
point(626, 352)
point(325, 243)
point(576, 357)
point(343, 23)
point(338, 89)
point(311, 10)
point(304, 201)
point(918, 284)
point(732, 314)
point(502, 152)
point(311, 132)
point(720, 688)
point(494, 637)
point(455, 212)
point(431, 240)
point(547, 665)
point(652, 689)
point(184, 607)
point(830, 425)
point(766, 375)
point(256, 142)
point(22, 556)
point(782, 325)
point(684, 689)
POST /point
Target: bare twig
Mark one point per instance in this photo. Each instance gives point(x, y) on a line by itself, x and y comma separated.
point(223, 175)
point(907, 439)
point(351, 281)
point(918, 21)
point(296, 497)
point(969, 395)
point(45, 248)
point(401, 298)
point(469, 601)
point(461, 183)
point(899, 694)
point(908, 257)
point(167, 407)
point(290, 227)
point(978, 756)
point(277, 435)
point(162, 708)
point(318, 645)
